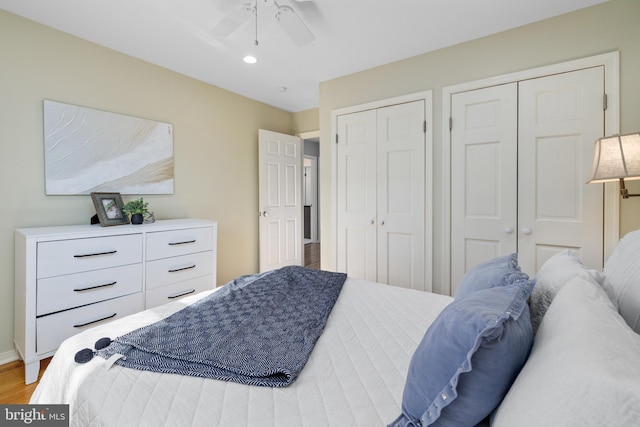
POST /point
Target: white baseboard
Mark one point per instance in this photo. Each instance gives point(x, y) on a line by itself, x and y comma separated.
point(9, 356)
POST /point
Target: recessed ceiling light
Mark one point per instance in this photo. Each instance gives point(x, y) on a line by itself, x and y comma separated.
point(250, 59)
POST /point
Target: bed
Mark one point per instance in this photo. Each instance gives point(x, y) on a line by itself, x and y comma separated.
point(563, 350)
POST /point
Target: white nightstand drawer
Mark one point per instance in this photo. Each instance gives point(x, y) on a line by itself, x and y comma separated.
point(55, 328)
point(175, 291)
point(77, 255)
point(74, 290)
point(177, 269)
point(164, 244)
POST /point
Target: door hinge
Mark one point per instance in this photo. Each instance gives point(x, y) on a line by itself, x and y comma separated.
point(336, 138)
point(424, 126)
point(605, 101)
point(450, 123)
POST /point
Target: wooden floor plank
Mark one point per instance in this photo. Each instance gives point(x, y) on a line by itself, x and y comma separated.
point(312, 255)
point(12, 387)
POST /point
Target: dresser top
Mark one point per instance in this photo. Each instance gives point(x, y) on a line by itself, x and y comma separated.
point(86, 230)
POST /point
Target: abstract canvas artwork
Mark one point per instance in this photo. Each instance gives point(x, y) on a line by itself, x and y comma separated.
point(89, 150)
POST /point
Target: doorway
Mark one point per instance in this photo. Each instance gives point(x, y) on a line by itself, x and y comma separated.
point(311, 191)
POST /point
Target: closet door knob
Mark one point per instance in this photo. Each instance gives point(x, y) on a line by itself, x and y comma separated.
point(372, 222)
point(382, 222)
point(508, 230)
point(527, 231)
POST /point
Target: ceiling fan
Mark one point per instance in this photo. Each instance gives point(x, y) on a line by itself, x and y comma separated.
point(288, 19)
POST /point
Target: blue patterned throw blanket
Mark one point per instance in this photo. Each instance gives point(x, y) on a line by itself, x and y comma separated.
point(258, 330)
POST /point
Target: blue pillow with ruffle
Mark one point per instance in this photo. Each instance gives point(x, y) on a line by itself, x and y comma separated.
point(468, 358)
point(498, 271)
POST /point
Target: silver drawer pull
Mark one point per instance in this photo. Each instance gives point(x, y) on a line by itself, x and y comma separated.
point(95, 321)
point(96, 254)
point(181, 294)
point(183, 268)
point(182, 243)
point(94, 287)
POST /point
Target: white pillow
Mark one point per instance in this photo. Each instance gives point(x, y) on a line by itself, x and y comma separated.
point(551, 277)
point(622, 278)
point(584, 367)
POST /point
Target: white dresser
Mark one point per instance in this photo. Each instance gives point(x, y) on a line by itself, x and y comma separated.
point(71, 278)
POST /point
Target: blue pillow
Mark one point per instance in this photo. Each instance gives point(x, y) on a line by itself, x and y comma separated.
point(468, 358)
point(498, 271)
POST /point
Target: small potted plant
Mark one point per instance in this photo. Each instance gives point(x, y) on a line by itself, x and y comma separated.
point(137, 209)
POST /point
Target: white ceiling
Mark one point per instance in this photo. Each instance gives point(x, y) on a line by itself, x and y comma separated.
point(351, 36)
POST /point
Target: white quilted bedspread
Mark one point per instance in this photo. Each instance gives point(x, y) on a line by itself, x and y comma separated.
point(354, 377)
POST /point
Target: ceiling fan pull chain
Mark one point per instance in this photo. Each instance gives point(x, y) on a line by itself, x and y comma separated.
point(255, 42)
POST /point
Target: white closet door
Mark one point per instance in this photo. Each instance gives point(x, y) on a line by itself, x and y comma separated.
point(401, 195)
point(560, 118)
point(356, 192)
point(483, 177)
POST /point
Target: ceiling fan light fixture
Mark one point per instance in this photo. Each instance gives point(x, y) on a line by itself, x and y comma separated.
point(250, 59)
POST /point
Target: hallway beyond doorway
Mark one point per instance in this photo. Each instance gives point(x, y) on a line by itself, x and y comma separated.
point(312, 255)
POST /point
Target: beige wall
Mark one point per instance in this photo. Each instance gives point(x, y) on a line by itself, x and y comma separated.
point(215, 143)
point(306, 121)
point(607, 27)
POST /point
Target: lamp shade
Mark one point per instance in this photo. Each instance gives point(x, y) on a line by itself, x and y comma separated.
point(616, 157)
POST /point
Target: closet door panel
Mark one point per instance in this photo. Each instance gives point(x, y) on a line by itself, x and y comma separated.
point(483, 177)
point(356, 204)
point(560, 118)
point(401, 194)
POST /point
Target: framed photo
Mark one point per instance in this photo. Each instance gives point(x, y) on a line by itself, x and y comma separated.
point(109, 209)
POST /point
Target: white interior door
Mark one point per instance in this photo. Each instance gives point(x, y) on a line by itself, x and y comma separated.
point(560, 118)
point(483, 176)
point(401, 195)
point(280, 200)
point(521, 155)
point(356, 195)
point(381, 195)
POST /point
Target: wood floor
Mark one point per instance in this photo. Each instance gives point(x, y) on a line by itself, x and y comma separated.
point(12, 387)
point(312, 255)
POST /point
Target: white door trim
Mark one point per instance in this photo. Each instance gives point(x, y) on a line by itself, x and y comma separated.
point(309, 135)
point(427, 97)
point(611, 63)
point(314, 197)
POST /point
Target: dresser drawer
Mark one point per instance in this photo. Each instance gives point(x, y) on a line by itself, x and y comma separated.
point(165, 244)
point(55, 328)
point(77, 255)
point(74, 290)
point(177, 269)
point(175, 291)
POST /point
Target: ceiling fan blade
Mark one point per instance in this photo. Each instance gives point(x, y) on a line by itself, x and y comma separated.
point(294, 26)
point(233, 21)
